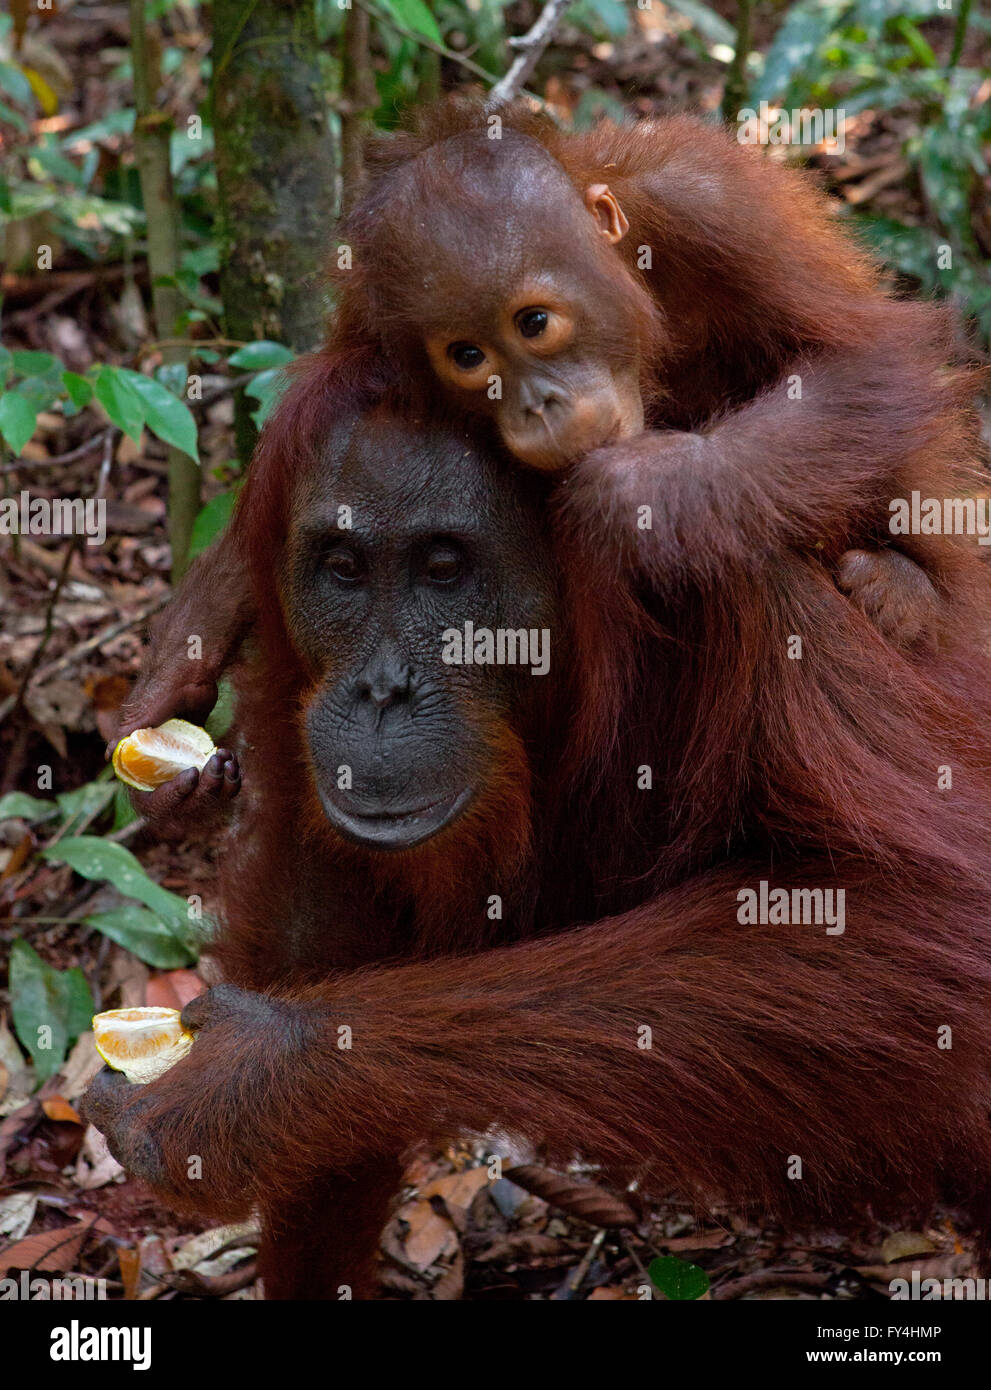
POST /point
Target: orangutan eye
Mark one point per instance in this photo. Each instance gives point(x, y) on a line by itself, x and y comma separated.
point(344, 565)
point(532, 322)
point(444, 564)
point(466, 356)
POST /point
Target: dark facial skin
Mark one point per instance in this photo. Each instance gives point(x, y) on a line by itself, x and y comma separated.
point(437, 540)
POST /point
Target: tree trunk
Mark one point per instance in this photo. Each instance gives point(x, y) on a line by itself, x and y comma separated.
point(276, 176)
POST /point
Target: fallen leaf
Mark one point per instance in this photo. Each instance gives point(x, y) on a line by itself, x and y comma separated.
point(16, 1214)
point(173, 989)
point(48, 1250)
point(58, 1108)
point(96, 1165)
point(901, 1245)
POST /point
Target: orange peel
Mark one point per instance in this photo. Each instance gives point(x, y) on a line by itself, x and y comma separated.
point(142, 1042)
point(149, 757)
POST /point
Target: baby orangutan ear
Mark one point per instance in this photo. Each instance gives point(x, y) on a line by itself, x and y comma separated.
point(603, 206)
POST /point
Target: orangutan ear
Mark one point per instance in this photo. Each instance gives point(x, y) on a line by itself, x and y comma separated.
point(605, 208)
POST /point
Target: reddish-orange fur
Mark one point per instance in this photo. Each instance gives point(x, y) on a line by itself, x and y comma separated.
point(621, 904)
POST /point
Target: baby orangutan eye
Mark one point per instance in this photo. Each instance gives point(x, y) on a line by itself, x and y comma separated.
point(532, 322)
point(466, 356)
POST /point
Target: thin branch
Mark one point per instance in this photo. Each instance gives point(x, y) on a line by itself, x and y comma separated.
point(384, 18)
point(80, 451)
point(529, 47)
point(91, 644)
point(358, 101)
point(14, 703)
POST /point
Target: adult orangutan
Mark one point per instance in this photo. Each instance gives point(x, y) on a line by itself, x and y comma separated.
point(678, 323)
point(706, 902)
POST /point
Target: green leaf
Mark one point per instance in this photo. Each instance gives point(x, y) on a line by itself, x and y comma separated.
point(79, 390)
point(710, 25)
point(221, 717)
point(6, 363)
point(677, 1279)
point(125, 408)
point(124, 812)
point(106, 861)
point(18, 418)
point(24, 807)
point(40, 391)
point(806, 27)
point(143, 933)
point(258, 357)
point(266, 387)
point(43, 998)
point(54, 163)
point(947, 177)
point(15, 84)
point(86, 802)
point(173, 376)
point(912, 250)
point(164, 412)
point(210, 521)
point(414, 15)
point(28, 363)
point(609, 17)
point(109, 127)
point(12, 118)
point(920, 48)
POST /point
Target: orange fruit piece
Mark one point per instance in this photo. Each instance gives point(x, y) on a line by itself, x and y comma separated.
point(149, 757)
point(142, 1043)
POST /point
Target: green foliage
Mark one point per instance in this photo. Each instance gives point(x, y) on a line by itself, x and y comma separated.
point(221, 717)
point(17, 419)
point(709, 24)
point(211, 521)
point(50, 1008)
point(130, 399)
point(413, 14)
point(677, 1279)
point(165, 929)
point(609, 19)
point(84, 804)
point(261, 356)
point(30, 808)
point(144, 934)
point(266, 388)
point(860, 54)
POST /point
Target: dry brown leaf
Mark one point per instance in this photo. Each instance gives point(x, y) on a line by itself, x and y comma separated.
point(48, 1250)
point(575, 1196)
point(429, 1235)
point(96, 1165)
point(129, 1260)
point(80, 1067)
point(901, 1245)
point(173, 989)
point(58, 1108)
point(457, 1189)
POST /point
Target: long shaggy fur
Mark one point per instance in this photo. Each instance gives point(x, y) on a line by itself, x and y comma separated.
point(827, 771)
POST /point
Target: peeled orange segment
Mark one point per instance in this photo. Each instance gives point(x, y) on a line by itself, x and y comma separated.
point(142, 1043)
point(149, 757)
